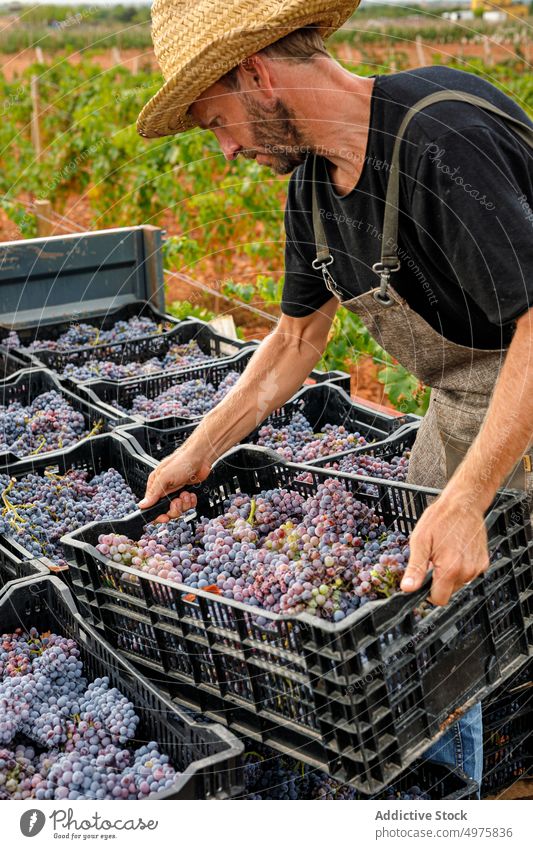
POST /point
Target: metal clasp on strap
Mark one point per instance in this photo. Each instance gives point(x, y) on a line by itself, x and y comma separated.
point(322, 264)
point(384, 272)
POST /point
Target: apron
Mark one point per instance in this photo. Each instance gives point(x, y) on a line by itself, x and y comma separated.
point(462, 379)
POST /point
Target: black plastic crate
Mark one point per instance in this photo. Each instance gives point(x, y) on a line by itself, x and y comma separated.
point(505, 773)
point(10, 364)
point(392, 446)
point(510, 697)
point(442, 782)
point(94, 455)
point(361, 698)
point(26, 385)
point(321, 404)
point(206, 754)
point(14, 569)
point(105, 392)
point(212, 344)
point(508, 731)
point(103, 319)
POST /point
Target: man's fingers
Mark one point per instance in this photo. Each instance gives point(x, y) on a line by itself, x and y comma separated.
point(445, 582)
point(154, 491)
point(185, 501)
point(444, 586)
point(181, 504)
point(413, 577)
point(420, 551)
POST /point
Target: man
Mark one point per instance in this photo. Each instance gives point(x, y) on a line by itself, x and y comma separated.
point(433, 195)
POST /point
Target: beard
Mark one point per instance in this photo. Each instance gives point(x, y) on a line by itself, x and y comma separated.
point(276, 132)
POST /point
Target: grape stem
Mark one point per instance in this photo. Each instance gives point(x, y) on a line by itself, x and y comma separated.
point(253, 505)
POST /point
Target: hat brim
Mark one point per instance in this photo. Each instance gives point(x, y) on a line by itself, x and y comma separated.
point(167, 112)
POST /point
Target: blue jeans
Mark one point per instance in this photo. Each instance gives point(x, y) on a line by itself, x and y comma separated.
point(462, 745)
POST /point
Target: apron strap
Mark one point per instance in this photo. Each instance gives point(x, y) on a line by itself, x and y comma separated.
point(323, 255)
point(389, 255)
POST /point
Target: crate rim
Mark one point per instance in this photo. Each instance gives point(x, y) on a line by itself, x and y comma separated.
point(235, 745)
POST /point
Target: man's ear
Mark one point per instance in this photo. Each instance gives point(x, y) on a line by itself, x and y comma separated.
point(256, 76)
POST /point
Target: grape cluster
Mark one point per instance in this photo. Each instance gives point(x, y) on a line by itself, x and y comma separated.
point(80, 335)
point(269, 775)
point(191, 398)
point(298, 443)
point(84, 731)
point(325, 554)
point(395, 469)
point(39, 509)
point(47, 424)
point(178, 356)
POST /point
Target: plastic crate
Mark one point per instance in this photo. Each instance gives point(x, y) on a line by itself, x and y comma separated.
point(79, 276)
point(392, 446)
point(506, 773)
point(14, 569)
point(361, 698)
point(10, 364)
point(442, 782)
point(321, 404)
point(210, 343)
point(508, 731)
point(26, 385)
point(104, 319)
point(205, 754)
point(94, 455)
point(105, 392)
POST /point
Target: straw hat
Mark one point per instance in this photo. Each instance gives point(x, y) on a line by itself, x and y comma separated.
point(197, 41)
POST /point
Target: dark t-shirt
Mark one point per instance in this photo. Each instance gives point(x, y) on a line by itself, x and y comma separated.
point(466, 212)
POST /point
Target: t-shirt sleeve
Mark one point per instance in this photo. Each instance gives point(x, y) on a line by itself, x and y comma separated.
point(304, 290)
point(472, 206)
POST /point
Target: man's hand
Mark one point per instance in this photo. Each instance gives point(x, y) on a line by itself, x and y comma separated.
point(177, 470)
point(454, 541)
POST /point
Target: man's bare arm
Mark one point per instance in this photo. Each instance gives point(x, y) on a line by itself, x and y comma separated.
point(451, 533)
point(275, 372)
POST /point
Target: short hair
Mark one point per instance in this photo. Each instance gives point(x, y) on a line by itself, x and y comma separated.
point(301, 45)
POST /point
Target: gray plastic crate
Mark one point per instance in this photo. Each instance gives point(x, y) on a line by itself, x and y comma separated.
point(79, 276)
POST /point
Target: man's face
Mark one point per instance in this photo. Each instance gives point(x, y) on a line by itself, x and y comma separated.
point(244, 126)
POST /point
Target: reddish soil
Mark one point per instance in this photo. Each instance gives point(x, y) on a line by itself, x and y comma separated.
point(14, 64)
point(455, 50)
